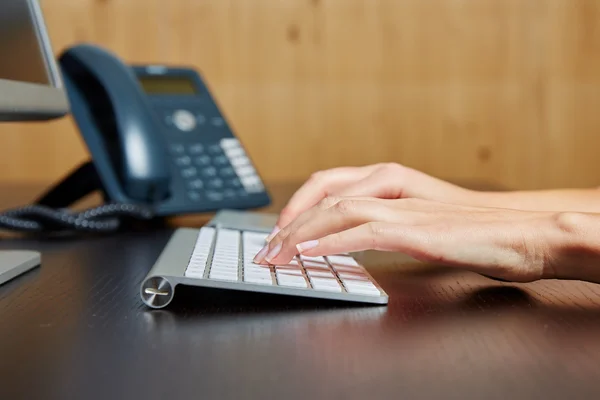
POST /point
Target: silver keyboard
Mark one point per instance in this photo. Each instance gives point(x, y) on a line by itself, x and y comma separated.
point(223, 258)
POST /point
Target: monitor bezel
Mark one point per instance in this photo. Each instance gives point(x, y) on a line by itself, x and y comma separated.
point(25, 101)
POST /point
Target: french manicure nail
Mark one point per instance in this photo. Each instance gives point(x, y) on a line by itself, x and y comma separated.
point(260, 255)
point(311, 244)
point(272, 234)
point(273, 253)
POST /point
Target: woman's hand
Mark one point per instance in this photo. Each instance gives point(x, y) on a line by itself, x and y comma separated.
point(507, 244)
point(384, 181)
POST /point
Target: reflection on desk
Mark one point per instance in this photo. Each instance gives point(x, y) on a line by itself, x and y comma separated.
point(76, 328)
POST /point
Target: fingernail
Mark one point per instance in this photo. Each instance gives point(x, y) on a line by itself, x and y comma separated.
point(272, 234)
point(273, 253)
point(260, 255)
point(311, 244)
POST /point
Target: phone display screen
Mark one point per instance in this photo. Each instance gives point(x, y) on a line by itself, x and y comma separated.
point(173, 85)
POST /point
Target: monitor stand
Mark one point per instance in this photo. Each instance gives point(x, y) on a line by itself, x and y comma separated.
point(17, 262)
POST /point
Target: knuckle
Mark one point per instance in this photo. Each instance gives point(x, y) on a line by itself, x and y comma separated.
point(345, 206)
point(389, 168)
point(318, 176)
point(328, 202)
point(376, 233)
point(287, 212)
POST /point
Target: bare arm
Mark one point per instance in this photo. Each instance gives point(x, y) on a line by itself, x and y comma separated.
point(582, 200)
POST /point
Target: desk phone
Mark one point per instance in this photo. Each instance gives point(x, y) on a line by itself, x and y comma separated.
point(156, 137)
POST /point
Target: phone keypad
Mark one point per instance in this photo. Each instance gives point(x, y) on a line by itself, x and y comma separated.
point(216, 171)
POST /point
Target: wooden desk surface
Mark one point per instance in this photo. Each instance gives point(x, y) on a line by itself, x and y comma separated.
point(75, 328)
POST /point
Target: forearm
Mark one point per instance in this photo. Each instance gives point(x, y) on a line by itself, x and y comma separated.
point(578, 200)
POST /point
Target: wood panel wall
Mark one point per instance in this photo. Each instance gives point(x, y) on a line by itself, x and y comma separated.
point(506, 91)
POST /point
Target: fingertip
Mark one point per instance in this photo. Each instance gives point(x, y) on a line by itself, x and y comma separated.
point(306, 246)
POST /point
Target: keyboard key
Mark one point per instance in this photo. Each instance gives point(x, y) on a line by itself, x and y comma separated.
point(198, 274)
point(358, 276)
point(315, 265)
point(330, 285)
point(319, 259)
point(292, 281)
point(321, 274)
point(223, 276)
point(361, 288)
point(259, 280)
point(342, 260)
point(291, 273)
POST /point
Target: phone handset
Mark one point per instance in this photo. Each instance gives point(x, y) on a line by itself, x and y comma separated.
point(105, 95)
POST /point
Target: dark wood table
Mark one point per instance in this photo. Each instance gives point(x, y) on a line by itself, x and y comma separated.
point(75, 328)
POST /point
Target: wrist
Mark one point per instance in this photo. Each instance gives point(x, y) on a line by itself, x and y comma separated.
point(575, 247)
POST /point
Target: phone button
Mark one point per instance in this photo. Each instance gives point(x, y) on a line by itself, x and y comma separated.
point(246, 171)
point(189, 172)
point(196, 148)
point(235, 152)
point(229, 143)
point(196, 184)
point(183, 161)
point(235, 183)
point(215, 149)
point(215, 183)
point(220, 160)
point(227, 171)
point(202, 160)
point(229, 193)
point(177, 148)
point(240, 161)
point(184, 120)
point(209, 171)
point(214, 196)
point(195, 196)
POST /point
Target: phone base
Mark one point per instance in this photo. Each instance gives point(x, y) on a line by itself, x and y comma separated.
point(76, 185)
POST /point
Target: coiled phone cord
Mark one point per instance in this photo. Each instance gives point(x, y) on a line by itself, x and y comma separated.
point(101, 219)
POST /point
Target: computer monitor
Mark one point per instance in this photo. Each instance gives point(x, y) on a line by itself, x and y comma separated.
point(30, 89)
point(30, 83)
